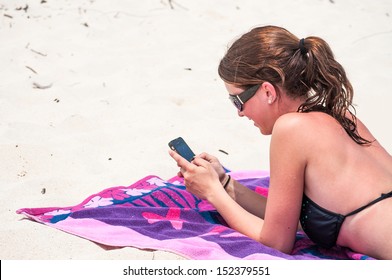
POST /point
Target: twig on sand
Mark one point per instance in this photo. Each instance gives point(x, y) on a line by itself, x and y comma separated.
point(37, 52)
point(31, 69)
point(34, 51)
point(25, 8)
point(38, 86)
point(172, 2)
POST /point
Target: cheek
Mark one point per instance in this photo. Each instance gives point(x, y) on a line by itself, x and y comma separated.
point(263, 122)
point(256, 115)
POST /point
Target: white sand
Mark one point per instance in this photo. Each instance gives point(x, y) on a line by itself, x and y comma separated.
point(126, 77)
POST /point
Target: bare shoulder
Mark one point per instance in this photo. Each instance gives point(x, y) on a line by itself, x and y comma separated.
point(290, 136)
point(306, 133)
point(305, 125)
point(298, 125)
point(303, 120)
point(289, 121)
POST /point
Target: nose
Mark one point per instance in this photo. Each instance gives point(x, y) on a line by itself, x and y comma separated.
point(240, 113)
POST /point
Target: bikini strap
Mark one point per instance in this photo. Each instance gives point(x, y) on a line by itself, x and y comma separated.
point(383, 196)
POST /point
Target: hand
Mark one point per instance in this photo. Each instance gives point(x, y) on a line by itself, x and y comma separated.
point(200, 176)
point(216, 165)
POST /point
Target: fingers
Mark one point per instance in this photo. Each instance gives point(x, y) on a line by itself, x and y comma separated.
point(206, 156)
point(199, 161)
point(209, 158)
point(181, 162)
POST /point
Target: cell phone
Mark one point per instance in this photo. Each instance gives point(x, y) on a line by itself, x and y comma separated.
point(181, 147)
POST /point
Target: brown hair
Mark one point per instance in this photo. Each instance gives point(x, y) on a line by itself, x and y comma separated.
point(273, 54)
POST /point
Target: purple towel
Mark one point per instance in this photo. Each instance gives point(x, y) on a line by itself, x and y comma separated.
point(161, 215)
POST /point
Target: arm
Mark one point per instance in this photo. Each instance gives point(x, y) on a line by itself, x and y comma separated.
point(236, 216)
point(246, 198)
point(202, 180)
point(287, 167)
point(285, 193)
point(282, 209)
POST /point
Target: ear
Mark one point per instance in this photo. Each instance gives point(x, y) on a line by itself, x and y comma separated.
point(270, 92)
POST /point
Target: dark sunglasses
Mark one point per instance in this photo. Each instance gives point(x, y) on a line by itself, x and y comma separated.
point(239, 100)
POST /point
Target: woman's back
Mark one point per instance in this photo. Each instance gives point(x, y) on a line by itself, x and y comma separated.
point(341, 176)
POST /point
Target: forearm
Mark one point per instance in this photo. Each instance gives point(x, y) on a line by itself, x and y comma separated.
point(246, 198)
point(251, 201)
point(236, 216)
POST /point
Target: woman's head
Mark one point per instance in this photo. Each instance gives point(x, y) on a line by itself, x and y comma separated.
point(263, 54)
point(304, 69)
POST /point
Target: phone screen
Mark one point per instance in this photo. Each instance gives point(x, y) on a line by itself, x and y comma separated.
point(182, 148)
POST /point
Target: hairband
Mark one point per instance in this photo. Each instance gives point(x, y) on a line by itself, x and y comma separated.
point(302, 46)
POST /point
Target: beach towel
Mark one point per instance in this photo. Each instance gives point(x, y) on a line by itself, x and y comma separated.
point(159, 214)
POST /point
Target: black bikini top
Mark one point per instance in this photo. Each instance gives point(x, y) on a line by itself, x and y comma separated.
point(321, 225)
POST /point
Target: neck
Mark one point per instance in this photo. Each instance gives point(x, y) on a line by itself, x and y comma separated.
point(289, 105)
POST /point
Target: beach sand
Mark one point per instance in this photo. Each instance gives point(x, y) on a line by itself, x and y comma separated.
point(91, 92)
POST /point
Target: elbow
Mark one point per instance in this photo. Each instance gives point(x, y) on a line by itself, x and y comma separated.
point(284, 249)
point(282, 241)
point(280, 245)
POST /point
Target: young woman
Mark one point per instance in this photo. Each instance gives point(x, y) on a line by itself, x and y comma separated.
point(327, 170)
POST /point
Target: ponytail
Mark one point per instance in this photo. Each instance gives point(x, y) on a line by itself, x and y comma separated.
point(329, 89)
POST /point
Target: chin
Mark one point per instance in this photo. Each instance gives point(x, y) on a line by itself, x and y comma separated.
point(264, 132)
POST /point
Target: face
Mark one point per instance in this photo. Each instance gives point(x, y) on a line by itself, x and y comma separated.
point(256, 106)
